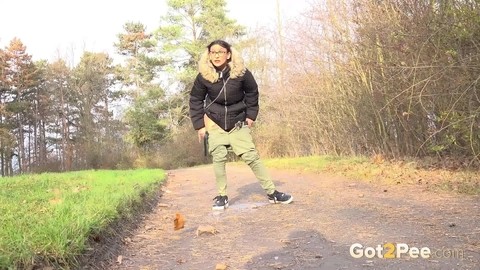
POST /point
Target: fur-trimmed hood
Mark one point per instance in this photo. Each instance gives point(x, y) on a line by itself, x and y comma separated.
point(208, 71)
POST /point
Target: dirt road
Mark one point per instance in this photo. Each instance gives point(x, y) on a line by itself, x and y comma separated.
point(316, 231)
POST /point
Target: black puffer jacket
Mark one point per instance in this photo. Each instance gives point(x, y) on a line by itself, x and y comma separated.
point(237, 101)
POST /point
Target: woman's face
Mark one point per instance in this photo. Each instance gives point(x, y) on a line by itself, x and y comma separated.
point(219, 56)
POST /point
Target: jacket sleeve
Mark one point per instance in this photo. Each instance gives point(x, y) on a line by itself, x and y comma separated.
point(250, 89)
point(196, 103)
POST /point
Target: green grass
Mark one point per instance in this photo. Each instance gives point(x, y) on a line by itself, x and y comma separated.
point(49, 217)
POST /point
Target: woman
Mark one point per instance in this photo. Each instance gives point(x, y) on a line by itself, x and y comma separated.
point(224, 103)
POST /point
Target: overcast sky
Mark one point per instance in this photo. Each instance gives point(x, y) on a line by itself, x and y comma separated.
point(52, 28)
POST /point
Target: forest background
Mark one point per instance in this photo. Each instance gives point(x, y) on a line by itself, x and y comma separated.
point(395, 78)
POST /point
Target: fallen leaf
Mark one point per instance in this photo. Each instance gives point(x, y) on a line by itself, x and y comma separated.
point(206, 229)
point(179, 221)
point(120, 259)
point(221, 266)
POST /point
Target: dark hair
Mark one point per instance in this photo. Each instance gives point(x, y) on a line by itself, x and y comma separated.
point(220, 42)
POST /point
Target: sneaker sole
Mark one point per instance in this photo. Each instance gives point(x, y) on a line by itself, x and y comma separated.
point(220, 207)
point(285, 202)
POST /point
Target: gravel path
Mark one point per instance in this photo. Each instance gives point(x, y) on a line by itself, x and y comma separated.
point(316, 231)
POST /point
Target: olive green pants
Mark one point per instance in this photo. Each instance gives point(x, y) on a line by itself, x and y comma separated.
point(240, 141)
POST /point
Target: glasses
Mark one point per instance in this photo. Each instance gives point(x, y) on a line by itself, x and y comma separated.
point(219, 53)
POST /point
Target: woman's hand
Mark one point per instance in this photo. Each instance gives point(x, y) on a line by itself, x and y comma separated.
point(201, 134)
point(249, 122)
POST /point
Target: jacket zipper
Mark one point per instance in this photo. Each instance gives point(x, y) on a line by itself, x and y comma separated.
point(225, 98)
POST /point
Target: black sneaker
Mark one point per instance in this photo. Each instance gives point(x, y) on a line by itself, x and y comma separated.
point(220, 203)
point(280, 197)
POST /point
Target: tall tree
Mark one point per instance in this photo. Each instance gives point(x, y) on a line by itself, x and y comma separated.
point(4, 133)
point(139, 75)
point(20, 78)
point(92, 82)
point(37, 147)
point(60, 111)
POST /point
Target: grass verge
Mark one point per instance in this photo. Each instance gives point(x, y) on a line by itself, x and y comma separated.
point(378, 170)
point(48, 218)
